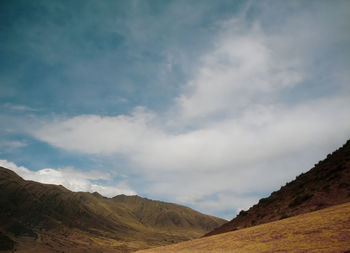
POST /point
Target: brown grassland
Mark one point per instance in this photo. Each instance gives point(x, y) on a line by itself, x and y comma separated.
point(326, 230)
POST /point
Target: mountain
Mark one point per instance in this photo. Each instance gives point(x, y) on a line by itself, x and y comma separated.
point(37, 217)
point(326, 184)
point(326, 230)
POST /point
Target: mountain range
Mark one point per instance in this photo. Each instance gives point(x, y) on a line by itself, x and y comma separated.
point(36, 217)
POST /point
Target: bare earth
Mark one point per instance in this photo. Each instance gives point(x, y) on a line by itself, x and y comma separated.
point(326, 230)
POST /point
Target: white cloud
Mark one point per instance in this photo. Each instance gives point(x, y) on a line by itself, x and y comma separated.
point(257, 134)
point(243, 68)
point(71, 179)
point(94, 134)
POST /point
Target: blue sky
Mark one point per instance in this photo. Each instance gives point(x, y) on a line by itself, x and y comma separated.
point(211, 104)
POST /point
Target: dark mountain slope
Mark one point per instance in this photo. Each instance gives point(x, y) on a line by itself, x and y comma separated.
point(49, 217)
point(326, 184)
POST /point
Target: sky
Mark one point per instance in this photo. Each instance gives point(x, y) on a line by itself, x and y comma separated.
point(208, 104)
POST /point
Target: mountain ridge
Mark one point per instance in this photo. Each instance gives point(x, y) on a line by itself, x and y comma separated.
point(51, 216)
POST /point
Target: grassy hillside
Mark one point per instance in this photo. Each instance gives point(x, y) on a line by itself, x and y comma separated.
point(326, 184)
point(168, 216)
point(326, 230)
point(41, 217)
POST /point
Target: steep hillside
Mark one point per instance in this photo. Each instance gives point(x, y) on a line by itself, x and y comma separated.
point(326, 184)
point(326, 230)
point(35, 216)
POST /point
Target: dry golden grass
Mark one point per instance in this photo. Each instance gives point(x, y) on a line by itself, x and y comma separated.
point(327, 230)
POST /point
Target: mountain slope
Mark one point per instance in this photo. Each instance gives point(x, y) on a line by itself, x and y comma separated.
point(326, 184)
point(326, 230)
point(157, 214)
point(43, 217)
